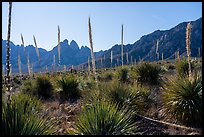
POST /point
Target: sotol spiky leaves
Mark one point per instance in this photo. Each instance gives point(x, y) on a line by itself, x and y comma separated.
point(104, 118)
point(183, 101)
point(20, 117)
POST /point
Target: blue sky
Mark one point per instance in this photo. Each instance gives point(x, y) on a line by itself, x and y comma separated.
point(138, 18)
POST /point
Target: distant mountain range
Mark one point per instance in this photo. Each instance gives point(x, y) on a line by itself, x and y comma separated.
point(170, 41)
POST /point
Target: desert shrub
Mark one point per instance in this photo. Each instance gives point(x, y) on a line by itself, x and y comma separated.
point(183, 100)
point(149, 73)
point(21, 118)
point(182, 68)
point(69, 89)
point(123, 74)
point(44, 87)
point(104, 118)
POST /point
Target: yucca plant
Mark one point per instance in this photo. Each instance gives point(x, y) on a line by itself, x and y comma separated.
point(183, 100)
point(123, 74)
point(20, 117)
point(149, 73)
point(69, 89)
point(44, 87)
point(119, 93)
point(132, 97)
point(104, 118)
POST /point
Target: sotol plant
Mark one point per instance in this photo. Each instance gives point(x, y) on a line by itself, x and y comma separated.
point(104, 118)
point(69, 89)
point(183, 100)
point(20, 117)
point(44, 87)
point(148, 73)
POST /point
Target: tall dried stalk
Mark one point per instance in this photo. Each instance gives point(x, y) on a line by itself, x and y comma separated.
point(19, 65)
point(178, 55)
point(122, 45)
point(127, 58)
point(198, 54)
point(111, 58)
point(8, 65)
point(23, 43)
point(88, 67)
point(28, 64)
point(157, 48)
point(59, 45)
point(65, 68)
point(162, 57)
point(91, 45)
point(36, 48)
point(188, 33)
point(53, 62)
point(101, 62)
point(92, 56)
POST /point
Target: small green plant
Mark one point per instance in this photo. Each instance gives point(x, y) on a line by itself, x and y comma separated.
point(104, 118)
point(149, 73)
point(183, 100)
point(69, 89)
point(44, 87)
point(20, 117)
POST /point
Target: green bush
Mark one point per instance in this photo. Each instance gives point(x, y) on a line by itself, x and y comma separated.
point(69, 89)
point(20, 118)
point(44, 87)
point(104, 118)
point(149, 73)
point(183, 101)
